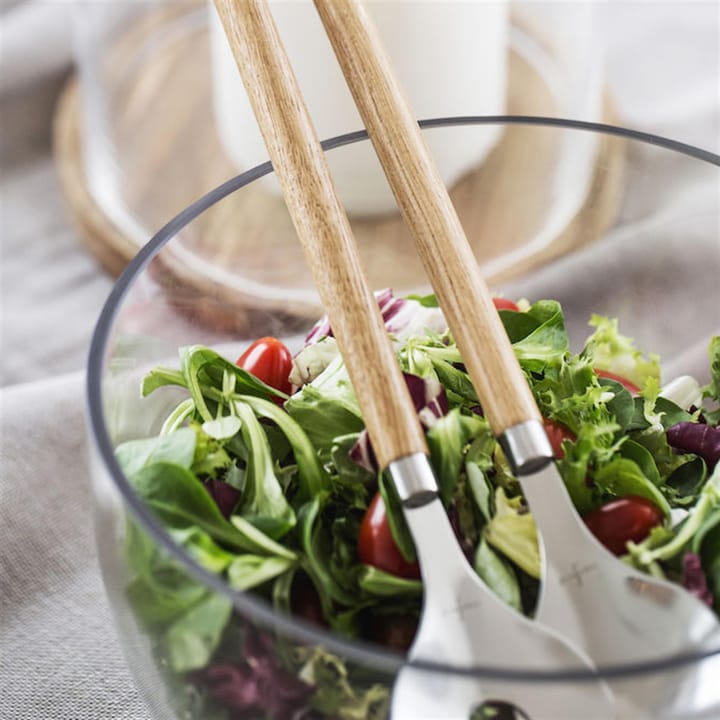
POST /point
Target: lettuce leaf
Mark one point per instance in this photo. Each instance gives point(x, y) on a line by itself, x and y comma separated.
point(381, 584)
point(337, 694)
point(263, 502)
point(179, 500)
point(512, 531)
point(203, 368)
point(712, 390)
point(623, 476)
point(312, 476)
point(607, 349)
point(548, 343)
point(396, 518)
point(248, 571)
point(193, 637)
point(447, 439)
point(324, 416)
point(497, 574)
point(574, 397)
point(176, 447)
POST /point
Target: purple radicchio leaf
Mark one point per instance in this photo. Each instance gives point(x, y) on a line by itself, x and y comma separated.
point(430, 401)
point(698, 438)
point(428, 396)
point(224, 495)
point(391, 309)
point(694, 580)
point(318, 331)
point(362, 453)
point(259, 684)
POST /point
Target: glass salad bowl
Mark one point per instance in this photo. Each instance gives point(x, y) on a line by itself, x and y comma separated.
point(228, 540)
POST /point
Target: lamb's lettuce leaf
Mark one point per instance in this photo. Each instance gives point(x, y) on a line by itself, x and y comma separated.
point(263, 502)
point(497, 574)
point(396, 519)
point(193, 637)
point(447, 439)
point(381, 584)
point(177, 447)
point(248, 571)
point(179, 500)
point(313, 478)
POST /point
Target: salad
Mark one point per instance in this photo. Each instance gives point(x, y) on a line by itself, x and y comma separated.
point(265, 475)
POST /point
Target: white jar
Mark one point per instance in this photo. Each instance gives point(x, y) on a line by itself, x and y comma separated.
point(450, 57)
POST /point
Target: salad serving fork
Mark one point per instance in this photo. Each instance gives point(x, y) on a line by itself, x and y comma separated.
point(464, 624)
point(618, 615)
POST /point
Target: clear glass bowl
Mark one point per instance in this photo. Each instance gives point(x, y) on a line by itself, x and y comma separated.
point(585, 231)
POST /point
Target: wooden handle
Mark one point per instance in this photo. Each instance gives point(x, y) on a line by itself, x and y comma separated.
point(428, 211)
point(323, 229)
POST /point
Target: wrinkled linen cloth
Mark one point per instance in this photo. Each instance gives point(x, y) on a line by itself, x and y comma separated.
point(59, 654)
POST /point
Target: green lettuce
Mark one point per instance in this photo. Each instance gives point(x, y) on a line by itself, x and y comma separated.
point(712, 390)
point(512, 531)
point(263, 501)
point(607, 349)
point(546, 345)
point(324, 416)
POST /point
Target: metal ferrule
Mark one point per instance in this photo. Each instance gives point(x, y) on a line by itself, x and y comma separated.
point(414, 480)
point(526, 447)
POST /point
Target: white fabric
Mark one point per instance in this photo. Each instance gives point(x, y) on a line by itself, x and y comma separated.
point(59, 657)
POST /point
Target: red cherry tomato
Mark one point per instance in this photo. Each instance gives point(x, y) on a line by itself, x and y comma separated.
point(556, 434)
point(376, 545)
point(505, 304)
point(630, 387)
point(270, 361)
point(622, 520)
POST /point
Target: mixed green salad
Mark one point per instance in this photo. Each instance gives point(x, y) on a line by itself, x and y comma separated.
point(264, 473)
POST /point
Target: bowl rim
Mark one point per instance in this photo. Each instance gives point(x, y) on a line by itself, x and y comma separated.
point(362, 652)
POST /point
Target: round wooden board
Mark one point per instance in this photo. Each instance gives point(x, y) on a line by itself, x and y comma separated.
point(171, 155)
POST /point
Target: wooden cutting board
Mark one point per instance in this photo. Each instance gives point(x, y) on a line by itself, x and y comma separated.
point(244, 253)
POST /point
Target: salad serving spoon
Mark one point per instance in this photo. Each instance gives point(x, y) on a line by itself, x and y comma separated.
point(463, 624)
point(618, 615)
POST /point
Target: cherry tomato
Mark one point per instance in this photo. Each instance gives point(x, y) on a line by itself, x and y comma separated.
point(630, 387)
point(505, 304)
point(376, 545)
point(270, 361)
point(619, 521)
point(556, 434)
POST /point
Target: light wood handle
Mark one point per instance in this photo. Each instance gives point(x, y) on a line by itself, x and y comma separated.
point(323, 229)
point(428, 211)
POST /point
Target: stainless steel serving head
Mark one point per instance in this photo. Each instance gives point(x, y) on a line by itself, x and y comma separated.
point(464, 625)
point(618, 615)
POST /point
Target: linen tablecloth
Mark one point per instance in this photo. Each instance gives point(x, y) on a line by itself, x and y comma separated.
point(59, 656)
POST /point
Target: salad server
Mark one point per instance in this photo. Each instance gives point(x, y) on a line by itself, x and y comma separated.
point(463, 624)
point(617, 614)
